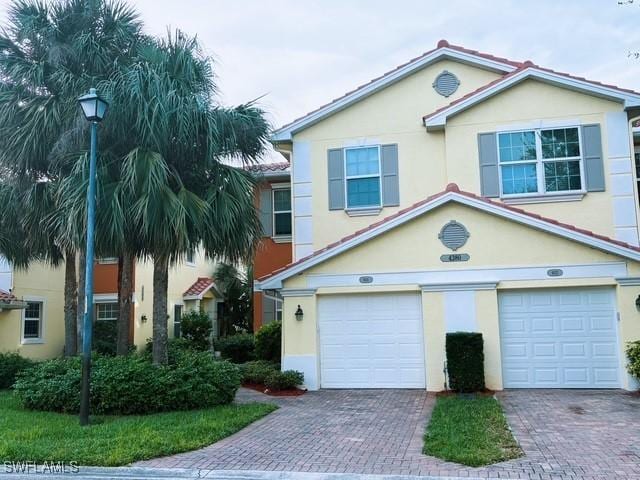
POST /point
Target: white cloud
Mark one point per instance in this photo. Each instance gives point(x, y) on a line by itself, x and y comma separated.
point(302, 54)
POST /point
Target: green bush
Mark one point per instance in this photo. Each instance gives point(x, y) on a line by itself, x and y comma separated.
point(11, 364)
point(237, 348)
point(269, 342)
point(257, 371)
point(131, 384)
point(105, 337)
point(633, 354)
point(196, 329)
point(465, 361)
point(286, 380)
point(175, 348)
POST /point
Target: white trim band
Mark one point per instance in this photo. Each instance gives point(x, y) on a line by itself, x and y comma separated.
point(450, 287)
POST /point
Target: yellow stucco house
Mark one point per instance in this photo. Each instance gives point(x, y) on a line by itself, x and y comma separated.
point(32, 302)
point(463, 192)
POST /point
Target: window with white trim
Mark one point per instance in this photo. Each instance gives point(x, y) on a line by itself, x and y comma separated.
point(281, 212)
point(107, 311)
point(32, 321)
point(190, 257)
point(362, 173)
point(278, 309)
point(538, 162)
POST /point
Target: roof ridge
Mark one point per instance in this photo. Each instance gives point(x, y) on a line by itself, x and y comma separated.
point(454, 189)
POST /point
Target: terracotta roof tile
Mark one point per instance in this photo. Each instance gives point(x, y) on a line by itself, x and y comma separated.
point(202, 285)
point(268, 167)
point(452, 187)
point(6, 297)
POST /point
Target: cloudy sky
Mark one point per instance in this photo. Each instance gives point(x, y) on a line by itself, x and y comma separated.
point(299, 54)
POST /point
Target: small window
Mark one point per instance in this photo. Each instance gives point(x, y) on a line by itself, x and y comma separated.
point(362, 167)
point(177, 321)
point(281, 212)
point(107, 260)
point(106, 311)
point(32, 324)
point(278, 310)
point(190, 256)
point(540, 161)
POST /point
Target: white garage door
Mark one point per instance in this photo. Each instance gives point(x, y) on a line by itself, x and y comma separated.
point(371, 341)
point(559, 338)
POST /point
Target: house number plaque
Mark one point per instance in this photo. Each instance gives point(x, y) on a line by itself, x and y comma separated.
point(455, 257)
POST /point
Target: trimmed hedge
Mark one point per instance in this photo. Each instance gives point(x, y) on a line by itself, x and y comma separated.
point(11, 364)
point(633, 354)
point(105, 337)
point(237, 348)
point(287, 380)
point(465, 361)
point(257, 371)
point(196, 329)
point(269, 342)
point(129, 385)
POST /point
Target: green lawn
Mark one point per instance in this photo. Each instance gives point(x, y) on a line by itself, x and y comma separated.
point(112, 440)
point(471, 430)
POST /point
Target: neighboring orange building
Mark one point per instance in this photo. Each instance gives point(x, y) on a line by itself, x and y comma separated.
point(273, 197)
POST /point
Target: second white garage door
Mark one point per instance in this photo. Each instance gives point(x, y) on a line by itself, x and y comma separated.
point(562, 338)
point(371, 341)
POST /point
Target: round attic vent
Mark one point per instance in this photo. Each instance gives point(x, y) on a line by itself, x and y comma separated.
point(453, 235)
point(446, 83)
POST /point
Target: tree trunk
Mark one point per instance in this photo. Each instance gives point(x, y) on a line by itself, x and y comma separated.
point(70, 305)
point(82, 265)
point(125, 294)
point(160, 288)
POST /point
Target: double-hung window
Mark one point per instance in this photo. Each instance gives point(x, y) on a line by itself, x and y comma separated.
point(107, 311)
point(362, 168)
point(281, 212)
point(32, 322)
point(544, 161)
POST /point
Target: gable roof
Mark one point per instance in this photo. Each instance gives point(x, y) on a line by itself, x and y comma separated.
point(199, 288)
point(443, 50)
point(452, 194)
point(437, 120)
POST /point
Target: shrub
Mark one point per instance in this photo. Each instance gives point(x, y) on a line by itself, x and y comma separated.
point(175, 348)
point(286, 380)
point(130, 384)
point(105, 337)
point(269, 342)
point(257, 371)
point(633, 354)
point(196, 329)
point(465, 361)
point(11, 364)
point(237, 348)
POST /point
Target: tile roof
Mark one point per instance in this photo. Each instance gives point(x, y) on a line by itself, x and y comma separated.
point(7, 297)
point(268, 167)
point(453, 188)
point(518, 65)
point(201, 286)
point(526, 65)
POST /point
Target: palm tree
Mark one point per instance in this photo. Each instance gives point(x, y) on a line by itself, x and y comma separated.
point(49, 54)
point(184, 196)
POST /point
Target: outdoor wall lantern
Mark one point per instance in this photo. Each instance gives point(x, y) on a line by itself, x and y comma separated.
point(638, 302)
point(299, 314)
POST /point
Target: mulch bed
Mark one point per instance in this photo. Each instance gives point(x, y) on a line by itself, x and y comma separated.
point(258, 387)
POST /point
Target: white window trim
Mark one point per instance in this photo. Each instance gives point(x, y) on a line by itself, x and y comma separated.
point(107, 260)
point(368, 208)
point(542, 194)
point(39, 340)
point(278, 304)
point(97, 307)
point(274, 187)
point(191, 263)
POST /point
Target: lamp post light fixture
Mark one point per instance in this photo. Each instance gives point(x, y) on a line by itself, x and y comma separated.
point(94, 109)
point(299, 314)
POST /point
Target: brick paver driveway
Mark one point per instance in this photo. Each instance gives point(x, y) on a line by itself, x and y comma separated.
point(565, 434)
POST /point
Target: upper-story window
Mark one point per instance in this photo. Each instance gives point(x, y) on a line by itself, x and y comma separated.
point(32, 319)
point(281, 212)
point(107, 311)
point(362, 168)
point(540, 161)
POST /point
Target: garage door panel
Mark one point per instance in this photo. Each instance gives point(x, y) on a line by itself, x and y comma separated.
point(374, 341)
point(559, 338)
